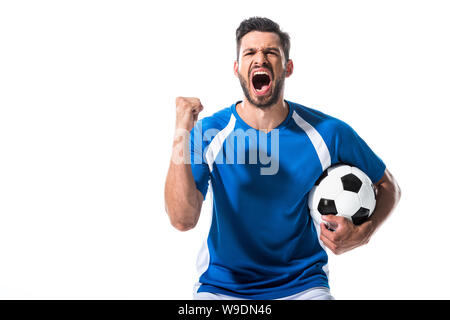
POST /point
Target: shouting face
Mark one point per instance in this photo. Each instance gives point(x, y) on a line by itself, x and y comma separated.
point(262, 68)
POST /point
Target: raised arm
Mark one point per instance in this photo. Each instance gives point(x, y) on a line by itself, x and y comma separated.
point(183, 201)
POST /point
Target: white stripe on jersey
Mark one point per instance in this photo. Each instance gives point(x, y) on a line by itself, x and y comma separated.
point(216, 144)
point(316, 139)
point(213, 149)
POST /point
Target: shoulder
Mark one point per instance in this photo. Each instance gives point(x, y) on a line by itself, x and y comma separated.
point(322, 122)
point(208, 127)
point(217, 121)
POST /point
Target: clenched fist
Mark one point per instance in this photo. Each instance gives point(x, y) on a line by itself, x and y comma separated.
point(187, 112)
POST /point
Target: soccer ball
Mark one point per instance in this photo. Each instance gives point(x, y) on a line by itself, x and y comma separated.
point(342, 190)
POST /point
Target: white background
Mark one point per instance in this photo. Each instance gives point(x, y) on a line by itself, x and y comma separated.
point(87, 91)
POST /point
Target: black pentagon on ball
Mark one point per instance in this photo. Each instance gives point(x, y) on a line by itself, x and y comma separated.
point(360, 216)
point(327, 206)
point(350, 182)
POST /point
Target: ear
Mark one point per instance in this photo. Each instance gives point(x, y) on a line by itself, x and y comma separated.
point(289, 68)
point(236, 68)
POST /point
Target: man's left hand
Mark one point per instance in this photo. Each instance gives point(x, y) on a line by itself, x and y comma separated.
point(346, 236)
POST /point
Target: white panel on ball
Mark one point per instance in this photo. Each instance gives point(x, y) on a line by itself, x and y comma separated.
point(347, 203)
point(339, 170)
point(313, 198)
point(330, 187)
point(367, 197)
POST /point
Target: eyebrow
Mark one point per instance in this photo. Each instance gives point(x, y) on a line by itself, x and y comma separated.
point(265, 49)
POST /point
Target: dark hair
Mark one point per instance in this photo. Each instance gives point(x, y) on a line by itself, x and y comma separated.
point(263, 25)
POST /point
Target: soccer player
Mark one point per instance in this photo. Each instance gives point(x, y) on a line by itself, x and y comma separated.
point(259, 158)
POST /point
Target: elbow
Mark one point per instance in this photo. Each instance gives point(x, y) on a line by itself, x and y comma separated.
point(398, 193)
point(182, 220)
point(394, 188)
point(182, 225)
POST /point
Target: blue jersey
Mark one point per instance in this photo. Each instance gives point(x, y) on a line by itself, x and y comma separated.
point(262, 243)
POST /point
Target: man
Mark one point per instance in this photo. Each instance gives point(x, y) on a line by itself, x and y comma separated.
point(261, 156)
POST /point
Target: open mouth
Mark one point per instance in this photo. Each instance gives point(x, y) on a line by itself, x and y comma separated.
point(261, 82)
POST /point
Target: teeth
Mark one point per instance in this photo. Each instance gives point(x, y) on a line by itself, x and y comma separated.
point(260, 72)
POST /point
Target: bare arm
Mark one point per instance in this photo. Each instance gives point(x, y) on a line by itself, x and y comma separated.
point(183, 201)
point(388, 196)
point(348, 236)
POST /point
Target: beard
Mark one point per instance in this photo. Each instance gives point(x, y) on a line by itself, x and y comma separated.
point(264, 102)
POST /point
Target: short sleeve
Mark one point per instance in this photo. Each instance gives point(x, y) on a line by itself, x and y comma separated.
point(199, 167)
point(353, 150)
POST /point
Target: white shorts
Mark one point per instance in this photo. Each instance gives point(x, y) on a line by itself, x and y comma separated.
point(317, 293)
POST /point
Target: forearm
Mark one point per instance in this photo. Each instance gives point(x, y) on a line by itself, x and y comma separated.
point(181, 195)
point(388, 196)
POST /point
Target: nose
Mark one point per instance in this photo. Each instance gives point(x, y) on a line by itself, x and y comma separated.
point(260, 58)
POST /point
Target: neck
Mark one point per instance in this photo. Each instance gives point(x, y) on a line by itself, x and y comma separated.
point(264, 119)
